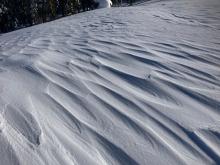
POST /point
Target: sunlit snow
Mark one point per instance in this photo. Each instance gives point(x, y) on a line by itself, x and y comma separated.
point(132, 85)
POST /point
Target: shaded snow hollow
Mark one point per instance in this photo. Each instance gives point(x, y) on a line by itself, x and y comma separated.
point(137, 85)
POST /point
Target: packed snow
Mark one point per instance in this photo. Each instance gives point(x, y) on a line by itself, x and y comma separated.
point(132, 85)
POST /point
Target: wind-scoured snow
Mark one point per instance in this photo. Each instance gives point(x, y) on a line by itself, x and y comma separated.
point(132, 85)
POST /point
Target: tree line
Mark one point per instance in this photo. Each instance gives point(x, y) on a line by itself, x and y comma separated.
point(15, 14)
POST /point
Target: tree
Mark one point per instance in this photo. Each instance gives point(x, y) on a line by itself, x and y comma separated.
point(53, 8)
point(16, 14)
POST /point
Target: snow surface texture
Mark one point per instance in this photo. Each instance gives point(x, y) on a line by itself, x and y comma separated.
point(136, 85)
point(104, 3)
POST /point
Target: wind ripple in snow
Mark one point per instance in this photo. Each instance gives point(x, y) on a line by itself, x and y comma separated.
point(132, 85)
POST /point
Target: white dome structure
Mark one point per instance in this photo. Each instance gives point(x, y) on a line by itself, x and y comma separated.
point(104, 3)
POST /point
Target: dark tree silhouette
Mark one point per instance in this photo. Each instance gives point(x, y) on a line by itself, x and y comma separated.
point(15, 14)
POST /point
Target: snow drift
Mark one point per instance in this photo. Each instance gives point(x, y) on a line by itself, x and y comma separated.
point(137, 85)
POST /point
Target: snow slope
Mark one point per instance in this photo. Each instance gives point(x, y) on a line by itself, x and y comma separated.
point(135, 85)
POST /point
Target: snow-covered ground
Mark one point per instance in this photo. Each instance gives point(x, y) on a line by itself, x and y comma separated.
point(135, 85)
